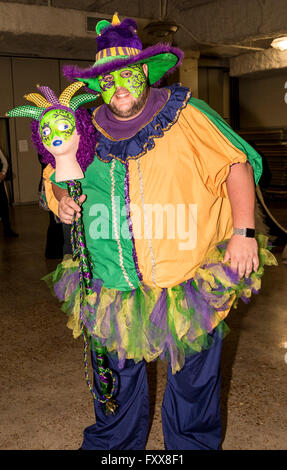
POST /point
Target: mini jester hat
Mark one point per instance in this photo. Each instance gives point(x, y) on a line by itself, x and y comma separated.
point(119, 46)
point(57, 125)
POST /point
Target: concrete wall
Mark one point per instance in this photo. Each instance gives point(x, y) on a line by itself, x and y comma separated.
point(263, 101)
point(213, 87)
point(251, 63)
point(188, 74)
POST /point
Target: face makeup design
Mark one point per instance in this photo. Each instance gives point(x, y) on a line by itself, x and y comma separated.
point(130, 78)
point(57, 127)
point(60, 137)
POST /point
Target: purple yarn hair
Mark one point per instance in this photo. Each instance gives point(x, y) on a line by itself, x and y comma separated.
point(123, 35)
point(88, 139)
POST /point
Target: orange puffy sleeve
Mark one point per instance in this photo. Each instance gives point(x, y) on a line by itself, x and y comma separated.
point(51, 199)
point(213, 151)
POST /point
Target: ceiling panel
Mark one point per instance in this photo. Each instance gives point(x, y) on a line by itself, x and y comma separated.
point(28, 2)
point(224, 22)
point(153, 9)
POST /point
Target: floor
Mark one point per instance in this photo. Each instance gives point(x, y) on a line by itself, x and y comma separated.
point(45, 402)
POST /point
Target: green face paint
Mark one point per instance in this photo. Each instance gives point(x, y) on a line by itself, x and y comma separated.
point(131, 78)
point(57, 123)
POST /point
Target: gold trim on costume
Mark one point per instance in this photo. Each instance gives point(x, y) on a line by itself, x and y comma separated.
point(115, 19)
point(119, 51)
point(132, 157)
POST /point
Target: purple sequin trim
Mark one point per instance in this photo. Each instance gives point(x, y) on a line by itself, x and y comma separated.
point(49, 95)
point(127, 201)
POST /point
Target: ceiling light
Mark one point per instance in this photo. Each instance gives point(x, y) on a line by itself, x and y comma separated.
point(280, 43)
point(161, 29)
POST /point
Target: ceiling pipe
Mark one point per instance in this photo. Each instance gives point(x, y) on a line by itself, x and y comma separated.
point(210, 44)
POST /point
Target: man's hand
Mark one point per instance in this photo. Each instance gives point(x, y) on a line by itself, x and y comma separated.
point(2, 176)
point(67, 208)
point(243, 255)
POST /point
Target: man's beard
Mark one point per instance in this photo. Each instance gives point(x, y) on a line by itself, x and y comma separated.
point(135, 108)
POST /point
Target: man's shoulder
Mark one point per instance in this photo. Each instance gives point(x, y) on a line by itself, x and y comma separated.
point(204, 107)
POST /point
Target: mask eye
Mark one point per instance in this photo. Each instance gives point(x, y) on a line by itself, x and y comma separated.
point(63, 126)
point(108, 78)
point(126, 73)
point(46, 131)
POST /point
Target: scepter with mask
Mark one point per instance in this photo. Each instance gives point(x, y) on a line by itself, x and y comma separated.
point(66, 138)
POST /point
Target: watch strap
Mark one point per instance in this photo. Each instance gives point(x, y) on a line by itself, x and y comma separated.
point(245, 232)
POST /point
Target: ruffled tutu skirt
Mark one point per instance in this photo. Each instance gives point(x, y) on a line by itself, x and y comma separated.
point(167, 323)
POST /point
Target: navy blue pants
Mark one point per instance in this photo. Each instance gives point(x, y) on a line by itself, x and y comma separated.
point(190, 410)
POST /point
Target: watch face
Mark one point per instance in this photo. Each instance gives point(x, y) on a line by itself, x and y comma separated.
point(250, 232)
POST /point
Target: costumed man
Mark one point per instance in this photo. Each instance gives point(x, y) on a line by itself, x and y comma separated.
point(168, 209)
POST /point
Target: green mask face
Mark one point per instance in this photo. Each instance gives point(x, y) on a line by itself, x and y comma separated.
point(131, 78)
point(57, 123)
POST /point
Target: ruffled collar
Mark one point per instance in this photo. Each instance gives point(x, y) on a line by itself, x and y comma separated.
point(134, 147)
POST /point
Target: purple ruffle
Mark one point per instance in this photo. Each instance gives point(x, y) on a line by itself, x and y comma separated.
point(144, 140)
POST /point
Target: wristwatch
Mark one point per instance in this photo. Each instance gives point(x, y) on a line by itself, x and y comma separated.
point(245, 232)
